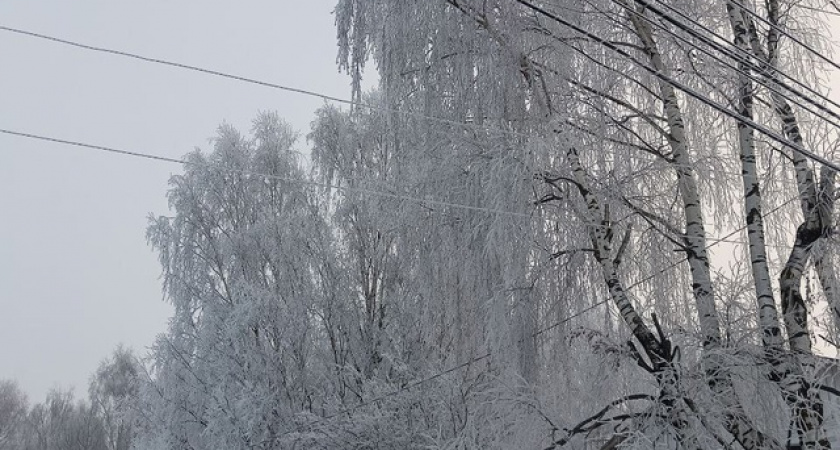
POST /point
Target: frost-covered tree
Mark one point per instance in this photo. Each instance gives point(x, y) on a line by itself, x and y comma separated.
point(113, 392)
point(61, 423)
point(398, 246)
point(639, 121)
point(514, 242)
point(13, 409)
point(243, 260)
point(436, 283)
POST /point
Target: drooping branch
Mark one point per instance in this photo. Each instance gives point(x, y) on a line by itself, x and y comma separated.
point(602, 247)
point(597, 420)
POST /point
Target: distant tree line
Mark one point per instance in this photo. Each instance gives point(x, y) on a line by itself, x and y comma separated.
point(64, 422)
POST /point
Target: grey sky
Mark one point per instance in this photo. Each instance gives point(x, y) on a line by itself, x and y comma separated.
point(76, 275)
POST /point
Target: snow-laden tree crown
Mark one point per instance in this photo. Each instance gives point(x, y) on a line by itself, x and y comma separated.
point(555, 224)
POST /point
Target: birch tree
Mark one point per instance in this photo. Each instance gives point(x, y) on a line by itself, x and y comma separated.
point(241, 266)
point(113, 392)
point(644, 116)
point(513, 241)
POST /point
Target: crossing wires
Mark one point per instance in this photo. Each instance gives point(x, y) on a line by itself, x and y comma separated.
point(678, 85)
point(568, 24)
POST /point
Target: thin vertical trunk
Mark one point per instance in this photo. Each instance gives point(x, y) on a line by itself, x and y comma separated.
point(800, 396)
point(824, 260)
point(695, 232)
point(695, 241)
point(659, 350)
point(790, 126)
point(603, 254)
point(804, 398)
point(790, 281)
point(828, 280)
point(768, 317)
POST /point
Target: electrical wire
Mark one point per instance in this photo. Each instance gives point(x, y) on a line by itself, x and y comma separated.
point(681, 86)
point(264, 175)
point(745, 55)
point(280, 87)
point(728, 51)
point(595, 38)
point(262, 83)
point(322, 185)
point(791, 37)
point(257, 82)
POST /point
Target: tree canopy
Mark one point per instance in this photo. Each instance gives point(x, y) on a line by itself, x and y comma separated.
point(554, 224)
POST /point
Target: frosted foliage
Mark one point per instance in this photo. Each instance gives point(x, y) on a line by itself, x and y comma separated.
point(406, 244)
point(512, 243)
point(13, 409)
point(632, 176)
point(113, 393)
point(240, 268)
point(59, 423)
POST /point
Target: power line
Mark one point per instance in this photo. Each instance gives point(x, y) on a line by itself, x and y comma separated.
point(374, 192)
point(178, 65)
point(673, 265)
point(254, 81)
point(681, 86)
point(791, 37)
point(258, 82)
point(152, 157)
point(597, 39)
point(274, 86)
point(729, 50)
point(264, 175)
point(359, 104)
point(745, 55)
point(185, 162)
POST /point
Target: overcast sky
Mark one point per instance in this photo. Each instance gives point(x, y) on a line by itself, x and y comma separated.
point(76, 275)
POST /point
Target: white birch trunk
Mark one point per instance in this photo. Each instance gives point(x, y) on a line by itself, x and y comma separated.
point(695, 233)
point(695, 240)
point(804, 401)
point(603, 254)
point(736, 421)
point(768, 317)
